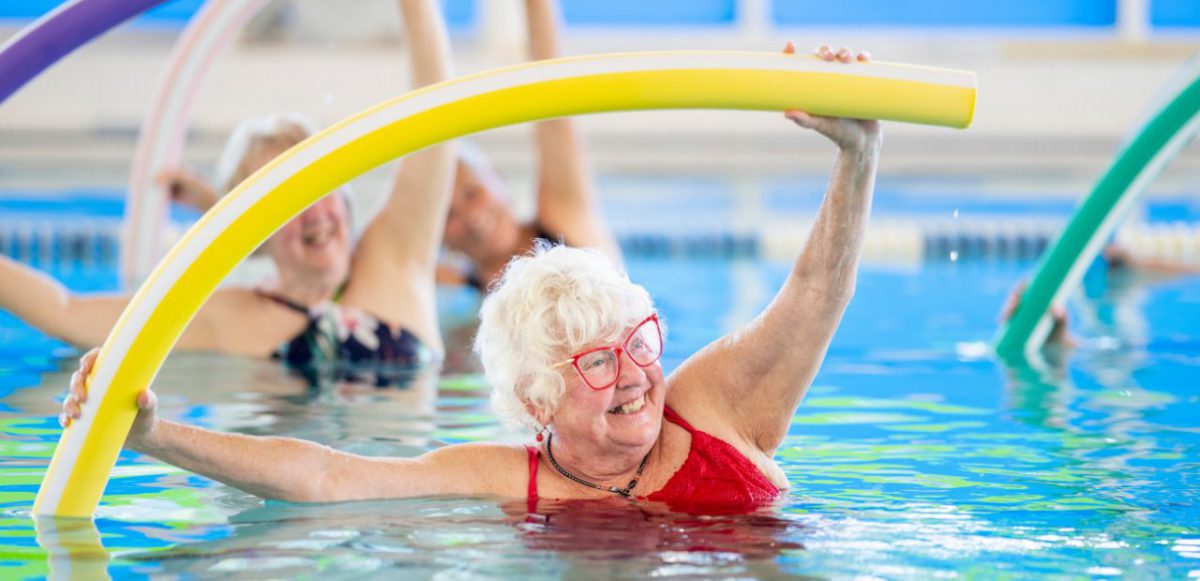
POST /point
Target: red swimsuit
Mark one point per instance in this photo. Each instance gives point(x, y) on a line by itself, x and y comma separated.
point(715, 473)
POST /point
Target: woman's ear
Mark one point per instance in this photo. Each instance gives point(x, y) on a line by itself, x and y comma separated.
point(542, 417)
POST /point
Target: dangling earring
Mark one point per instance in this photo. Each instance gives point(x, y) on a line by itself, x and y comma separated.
point(539, 437)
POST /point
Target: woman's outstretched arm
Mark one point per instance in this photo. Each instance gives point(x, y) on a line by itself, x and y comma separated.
point(301, 471)
point(86, 320)
point(48, 306)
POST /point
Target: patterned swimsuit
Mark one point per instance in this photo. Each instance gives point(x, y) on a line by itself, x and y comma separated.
point(342, 343)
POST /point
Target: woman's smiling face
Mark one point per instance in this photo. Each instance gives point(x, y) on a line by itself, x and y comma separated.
point(626, 414)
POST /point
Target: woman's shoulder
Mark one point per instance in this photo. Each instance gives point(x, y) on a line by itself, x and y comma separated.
point(498, 468)
point(498, 451)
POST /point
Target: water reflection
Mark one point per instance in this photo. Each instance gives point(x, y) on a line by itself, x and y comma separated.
point(1113, 406)
point(490, 537)
point(621, 529)
point(73, 548)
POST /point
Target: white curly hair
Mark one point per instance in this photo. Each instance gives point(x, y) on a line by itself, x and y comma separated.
point(274, 133)
point(548, 305)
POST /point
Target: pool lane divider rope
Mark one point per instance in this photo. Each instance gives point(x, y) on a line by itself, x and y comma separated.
point(280, 190)
point(1061, 268)
point(56, 34)
point(163, 131)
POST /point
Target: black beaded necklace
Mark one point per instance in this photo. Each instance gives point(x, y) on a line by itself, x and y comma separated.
point(613, 489)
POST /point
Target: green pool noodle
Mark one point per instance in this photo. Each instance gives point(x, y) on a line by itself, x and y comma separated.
point(1140, 160)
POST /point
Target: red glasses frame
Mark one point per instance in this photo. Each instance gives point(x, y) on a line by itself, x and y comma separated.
point(623, 347)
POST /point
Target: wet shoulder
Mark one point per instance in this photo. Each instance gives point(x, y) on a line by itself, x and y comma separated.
point(493, 468)
point(248, 323)
point(705, 416)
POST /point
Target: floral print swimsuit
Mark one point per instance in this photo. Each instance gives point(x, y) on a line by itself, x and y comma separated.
point(343, 343)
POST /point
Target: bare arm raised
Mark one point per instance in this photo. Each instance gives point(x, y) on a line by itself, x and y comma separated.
point(566, 197)
point(392, 275)
point(753, 379)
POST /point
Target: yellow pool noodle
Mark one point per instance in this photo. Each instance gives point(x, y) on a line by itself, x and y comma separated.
point(244, 219)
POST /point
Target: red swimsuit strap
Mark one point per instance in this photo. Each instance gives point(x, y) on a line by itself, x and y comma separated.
point(534, 454)
point(532, 495)
point(676, 419)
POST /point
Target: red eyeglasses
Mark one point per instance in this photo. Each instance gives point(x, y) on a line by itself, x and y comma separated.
point(600, 367)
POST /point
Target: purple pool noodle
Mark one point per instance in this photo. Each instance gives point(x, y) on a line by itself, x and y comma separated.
point(57, 33)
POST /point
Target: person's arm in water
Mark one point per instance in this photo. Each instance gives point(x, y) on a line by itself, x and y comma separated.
point(752, 380)
point(566, 200)
point(301, 471)
point(85, 320)
point(394, 267)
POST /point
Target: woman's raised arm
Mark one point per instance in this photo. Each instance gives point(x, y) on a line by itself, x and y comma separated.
point(754, 378)
point(393, 273)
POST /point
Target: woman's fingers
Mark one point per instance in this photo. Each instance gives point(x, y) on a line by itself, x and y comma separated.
point(88, 361)
point(147, 401)
point(75, 395)
point(842, 55)
point(846, 133)
point(71, 408)
point(800, 118)
point(77, 391)
point(70, 411)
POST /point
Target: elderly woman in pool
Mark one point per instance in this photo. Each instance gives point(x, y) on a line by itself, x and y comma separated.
point(333, 300)
point(572, 347)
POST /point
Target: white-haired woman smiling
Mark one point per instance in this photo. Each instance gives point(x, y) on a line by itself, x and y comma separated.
point(361, 308)
point(572, 349)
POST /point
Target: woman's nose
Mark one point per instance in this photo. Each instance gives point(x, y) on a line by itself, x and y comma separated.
point(631, 374)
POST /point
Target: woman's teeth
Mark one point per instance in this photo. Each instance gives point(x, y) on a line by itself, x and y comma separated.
point(317, 238)
point(631, 407)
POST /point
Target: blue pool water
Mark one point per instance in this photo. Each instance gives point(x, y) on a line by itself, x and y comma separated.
point(914, 455)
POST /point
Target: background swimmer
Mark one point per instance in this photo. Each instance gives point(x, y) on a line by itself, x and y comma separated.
point(481, 225)
point(333, 299)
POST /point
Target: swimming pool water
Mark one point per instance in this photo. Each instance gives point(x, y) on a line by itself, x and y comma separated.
point(915, 455)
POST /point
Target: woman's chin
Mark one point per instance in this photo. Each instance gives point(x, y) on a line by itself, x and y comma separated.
point(637, 428)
